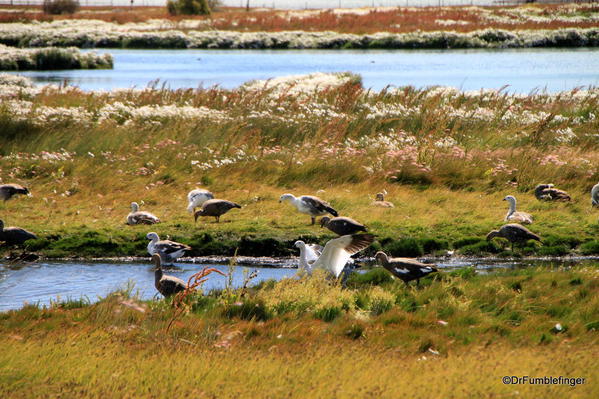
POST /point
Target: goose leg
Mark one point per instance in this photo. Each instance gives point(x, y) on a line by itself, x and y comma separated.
point(313, 220)
point(217, 219)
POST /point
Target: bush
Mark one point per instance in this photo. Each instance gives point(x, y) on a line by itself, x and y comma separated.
point(188, 7)
point(57, 7)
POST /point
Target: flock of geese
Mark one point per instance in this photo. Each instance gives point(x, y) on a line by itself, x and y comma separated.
point(333, 257)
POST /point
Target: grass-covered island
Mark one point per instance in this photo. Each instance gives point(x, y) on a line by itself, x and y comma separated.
point(447, 158)
point(46, 58)
point(458, 335)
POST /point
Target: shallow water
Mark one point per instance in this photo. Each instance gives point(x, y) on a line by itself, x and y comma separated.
point(522, 70)
point(44, 282)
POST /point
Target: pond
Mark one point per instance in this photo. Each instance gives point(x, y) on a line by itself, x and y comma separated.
point(48, 281)
point(521, 70)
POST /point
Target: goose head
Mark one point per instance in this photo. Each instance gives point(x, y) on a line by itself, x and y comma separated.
point(324, 221)
point(134, 207)
point(286, 197)
point(152, 236)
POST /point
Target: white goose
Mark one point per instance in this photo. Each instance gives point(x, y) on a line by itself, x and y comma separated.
point(197, 197)
point(310, 205)
point(337, 252)
point(308, 255)
point(168, 250)
point(140, 217)
point(595, 195)
point(514, 216)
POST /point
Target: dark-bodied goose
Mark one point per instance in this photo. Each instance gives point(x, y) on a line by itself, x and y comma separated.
point(216, 208)
point(514, 233)
point(15, 235)
point(308, 255)
point(515, 216)
point(546, 192)
point(342, 225)
point(405, 269)
point(166, 285)
point(337, 252)
point(595, 195)
point(168, 250)
point(310, 205)
point(8, 190)
point(380, 201)
point(197, 197)
point(139, 217)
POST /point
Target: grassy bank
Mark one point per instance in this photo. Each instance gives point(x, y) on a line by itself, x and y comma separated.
point(311, 338)
point(446, 158)
point(15, 59)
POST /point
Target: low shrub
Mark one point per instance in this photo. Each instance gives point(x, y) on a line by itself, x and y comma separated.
point(57, 7)
point(188, 7)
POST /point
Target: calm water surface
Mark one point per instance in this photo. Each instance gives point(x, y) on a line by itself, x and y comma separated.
point(48, 281)
point(522, 70)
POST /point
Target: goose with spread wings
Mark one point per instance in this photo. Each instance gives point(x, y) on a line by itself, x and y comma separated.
point(308, 255)
point(337, 252)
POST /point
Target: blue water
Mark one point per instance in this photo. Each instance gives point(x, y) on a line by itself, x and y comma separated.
point(521, 70)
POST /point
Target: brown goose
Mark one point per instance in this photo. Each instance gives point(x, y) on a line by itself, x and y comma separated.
point(514, 233)
point(15, 235)
point(515, 216)
point(166, 285)
point(139, 217)
point(216, 208)
point(546, 192)
point(342, 225)
point(380, 201)
point(167, 249)
point(8, 190)
point(595, 195)
point(310, 205)
point(405, 269)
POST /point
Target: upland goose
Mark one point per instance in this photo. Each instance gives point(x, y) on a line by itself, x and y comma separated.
point(310, 205)
point(216, 208)
point(168, 250)
point(405, 269)
point(514, 233)
point(513, 215)
point(308, 255)
point(342, 225)
point(14, 235)
point(166, 285)
point(8, 190)
point(546, 192)
point(139, 217)
point(595, 195)
point(337, 252)
point(380, 201)
point(197, 197)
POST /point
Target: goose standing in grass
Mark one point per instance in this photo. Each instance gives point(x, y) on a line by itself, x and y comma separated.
point(8, 190)
point(513, 215)
point(168, 250)
point(166, 285)
point(197, 197)
point(308, 255)
point(139, 217)
point(216, 208)
point(514, 233)
point(547, 192)
point(380, 201)
point(342, 225)
point(595, 195)
point(405, 269)
point(337, 252)
point(310, 205)
point(15, 235)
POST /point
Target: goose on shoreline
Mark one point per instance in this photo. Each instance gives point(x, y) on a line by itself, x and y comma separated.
point(140, 217)
point(216, 208)
point(547, 192)
point(515, 216)
point(166, 285)
point(309, 205)
point(7, 191)
point(168, 250)
point(14, 235)
point(342, 225)
point(308, 255)
point(514, 233)
point(380, 201)
point(197, 197)
point(405, 269)
point(595, 195)
point(337, 252)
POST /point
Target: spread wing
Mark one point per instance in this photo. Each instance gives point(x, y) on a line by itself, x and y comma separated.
point(338, 251)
